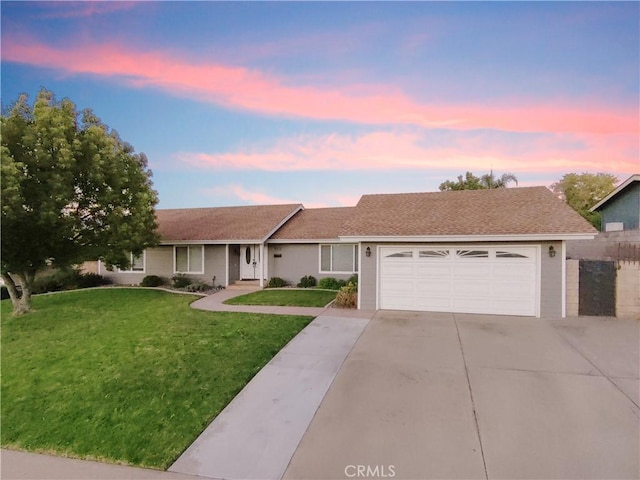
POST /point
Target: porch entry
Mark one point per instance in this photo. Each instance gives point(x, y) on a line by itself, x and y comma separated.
point(250, 267)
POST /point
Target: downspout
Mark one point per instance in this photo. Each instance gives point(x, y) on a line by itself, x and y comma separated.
point(265, 261)
point(359, 275)
point(226, 265)
point(262, 263)
point(563, 256)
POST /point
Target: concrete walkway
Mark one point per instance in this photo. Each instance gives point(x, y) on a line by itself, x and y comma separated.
point(256, 435)
point(34, 466)
point(214, 303)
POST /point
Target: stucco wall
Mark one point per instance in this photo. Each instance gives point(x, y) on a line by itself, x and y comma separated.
point(367, 283)
point(550, 276)
point(159, 261)
point(573, 287)
point(628, 290)
point(551, 280)
point(291, 262)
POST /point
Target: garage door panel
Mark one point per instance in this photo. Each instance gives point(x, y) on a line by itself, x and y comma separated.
point(433, 271)
point(397, 269)
point(514, 271)
point(434, 304)
point(432, 289)
point(479, 271)
point(501, 280)
point(471, 287)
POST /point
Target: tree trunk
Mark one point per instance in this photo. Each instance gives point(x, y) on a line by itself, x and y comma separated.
point(20, 299)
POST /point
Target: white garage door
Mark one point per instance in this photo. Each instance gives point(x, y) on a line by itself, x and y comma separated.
point(468, 279)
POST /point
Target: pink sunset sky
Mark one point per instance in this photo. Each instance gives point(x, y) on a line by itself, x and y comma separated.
point(319, 103)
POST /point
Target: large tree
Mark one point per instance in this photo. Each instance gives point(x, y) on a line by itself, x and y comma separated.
point(72, 191)
point(485, 182)
point(583, 191)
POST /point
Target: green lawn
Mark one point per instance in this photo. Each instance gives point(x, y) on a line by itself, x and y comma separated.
point(126, 375)
point(285, 297)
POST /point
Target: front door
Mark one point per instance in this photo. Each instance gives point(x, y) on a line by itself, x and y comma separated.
point(250, 262)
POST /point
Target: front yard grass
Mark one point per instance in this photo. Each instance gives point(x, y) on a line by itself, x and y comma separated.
point(285, 297)
point(125, 375)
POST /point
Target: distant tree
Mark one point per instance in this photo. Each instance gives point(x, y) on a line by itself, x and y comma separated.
point(583, 191)
point(72, 191)
point(485, 182)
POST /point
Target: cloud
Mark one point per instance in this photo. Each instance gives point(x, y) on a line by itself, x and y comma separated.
point(241, 194)
point(388, 150)
point(83, 9)
point(255, 91)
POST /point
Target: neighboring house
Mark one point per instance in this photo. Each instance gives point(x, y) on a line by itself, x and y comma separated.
point(620, 209)
point(496, 251)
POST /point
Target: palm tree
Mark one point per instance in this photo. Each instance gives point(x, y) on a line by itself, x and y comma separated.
point(489, 181)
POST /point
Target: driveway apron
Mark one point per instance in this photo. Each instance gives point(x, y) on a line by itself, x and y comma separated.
point(426, 395)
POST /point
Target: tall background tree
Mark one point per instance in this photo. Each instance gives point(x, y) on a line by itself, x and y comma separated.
point(583, 191)
point(72, 191)
point(487, 181)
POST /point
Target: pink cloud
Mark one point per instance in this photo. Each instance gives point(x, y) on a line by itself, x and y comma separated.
point(385, 150)
point(244, 195)
point(252, 90)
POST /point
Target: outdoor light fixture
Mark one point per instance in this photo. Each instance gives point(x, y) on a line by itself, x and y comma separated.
point(368, 252)
point(552, 251)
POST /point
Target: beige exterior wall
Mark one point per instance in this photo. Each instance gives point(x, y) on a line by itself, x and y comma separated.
point(551, 295)
point(291, 262)
point(628, 290)
point(573, 290)
point(159, 261)
point(368, 281)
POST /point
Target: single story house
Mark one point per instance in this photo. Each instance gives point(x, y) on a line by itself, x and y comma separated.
point(496, 251)
point(620, 209)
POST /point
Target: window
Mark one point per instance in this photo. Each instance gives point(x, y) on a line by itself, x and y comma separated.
point(189, 259)
point(136, 263)
point(473, 253)
point(339, 258)
point(500, 254)
point(433, 253)
point(401, 255)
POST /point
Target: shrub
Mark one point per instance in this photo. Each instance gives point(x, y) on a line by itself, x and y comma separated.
point(197, 286)
point(276, 282)
point(89, 280)
point(180, 281)
point(152, 281)
point(347, 296)
point(63, 279)
point(307, 281)
point(353, 279)
point(330, 283)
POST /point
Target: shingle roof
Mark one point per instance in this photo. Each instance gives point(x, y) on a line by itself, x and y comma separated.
point(222, 223)
point(506, 211)
point(315, 224)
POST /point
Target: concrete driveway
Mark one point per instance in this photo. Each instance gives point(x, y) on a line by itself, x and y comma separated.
point(426, 395)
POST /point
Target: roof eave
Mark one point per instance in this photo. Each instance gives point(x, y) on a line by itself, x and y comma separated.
point(469, 238)
point(303, 240)
point(211, 242)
